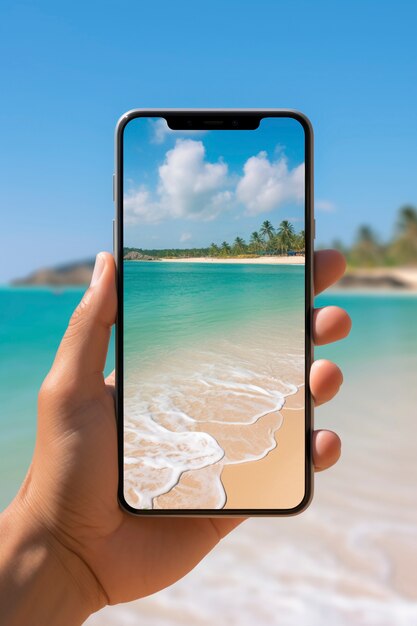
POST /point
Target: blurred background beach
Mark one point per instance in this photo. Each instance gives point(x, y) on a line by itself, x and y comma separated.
point(70, 71)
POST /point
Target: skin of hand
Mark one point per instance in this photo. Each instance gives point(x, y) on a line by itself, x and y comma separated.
point(74, 549)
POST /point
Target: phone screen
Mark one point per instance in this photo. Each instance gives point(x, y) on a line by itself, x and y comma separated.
point(214, 317)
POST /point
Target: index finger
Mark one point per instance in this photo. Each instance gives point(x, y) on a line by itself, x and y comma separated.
point(329, 266)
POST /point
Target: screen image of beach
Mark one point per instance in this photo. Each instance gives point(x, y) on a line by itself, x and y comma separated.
point(214, 316)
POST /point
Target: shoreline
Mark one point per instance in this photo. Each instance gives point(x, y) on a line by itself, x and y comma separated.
point(265, 260)
point(379, 279)
point(279, 470)
point(394, 280)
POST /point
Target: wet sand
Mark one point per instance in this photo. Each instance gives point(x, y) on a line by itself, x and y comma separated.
point(278, 477)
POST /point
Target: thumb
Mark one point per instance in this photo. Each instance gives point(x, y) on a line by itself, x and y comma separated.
point(81, 357)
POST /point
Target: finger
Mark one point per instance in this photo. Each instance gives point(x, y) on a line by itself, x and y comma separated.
point(326, 449)
point(325, 381)
point(82, 354)
point(330, 323)
point(224, 525)
point(329, 266)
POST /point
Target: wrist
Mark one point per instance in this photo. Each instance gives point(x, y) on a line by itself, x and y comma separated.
point(42, 581)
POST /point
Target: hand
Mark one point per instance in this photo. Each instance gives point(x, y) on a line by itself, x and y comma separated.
point(68, 499)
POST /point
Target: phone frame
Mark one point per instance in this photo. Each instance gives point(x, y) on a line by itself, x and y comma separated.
point(227, 115)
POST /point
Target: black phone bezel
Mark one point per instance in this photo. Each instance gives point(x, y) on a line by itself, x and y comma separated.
point(244, 117)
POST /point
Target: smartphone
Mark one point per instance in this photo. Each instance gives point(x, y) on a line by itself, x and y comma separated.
point(214, 252)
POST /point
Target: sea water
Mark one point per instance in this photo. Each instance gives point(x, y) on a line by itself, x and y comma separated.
point(32, 322)
point(212, 352)
point(351, 558)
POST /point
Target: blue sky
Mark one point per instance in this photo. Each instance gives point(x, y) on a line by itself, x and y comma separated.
point(189, 189)
point(70, 70)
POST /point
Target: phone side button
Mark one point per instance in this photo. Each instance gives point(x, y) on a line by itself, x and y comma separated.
point(113, 187)
point(114, 238)
point(314, 228)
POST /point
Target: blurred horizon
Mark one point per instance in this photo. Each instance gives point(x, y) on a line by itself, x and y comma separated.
point(367, 251)
point(354, 78)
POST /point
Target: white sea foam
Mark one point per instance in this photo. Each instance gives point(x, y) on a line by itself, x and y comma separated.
point(164, 456)
point(198, 409)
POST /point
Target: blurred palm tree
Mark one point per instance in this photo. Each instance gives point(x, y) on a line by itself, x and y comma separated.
point(403, 250)
point(338, 244)
point(366, 251)
point(407, 220)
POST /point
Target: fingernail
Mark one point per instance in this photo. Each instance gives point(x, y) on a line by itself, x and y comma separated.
point(98, 269)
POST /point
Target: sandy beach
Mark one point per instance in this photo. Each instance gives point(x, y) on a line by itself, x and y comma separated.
point(380, 279)
point(262, 260)
point(281, 472)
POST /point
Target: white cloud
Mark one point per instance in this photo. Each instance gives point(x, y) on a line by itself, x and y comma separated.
point(139, 207)
point(266, 185)
point(325, 205)
point(185, 237)
point(189, 187)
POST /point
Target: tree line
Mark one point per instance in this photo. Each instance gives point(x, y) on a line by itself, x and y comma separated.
point(268, 240)
point(369, 251)
point(282, 240)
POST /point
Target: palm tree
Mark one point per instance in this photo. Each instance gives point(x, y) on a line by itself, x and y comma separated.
point(225, 249)
point(214, 250)
point(285, 235)
point(239, 245)
point(256, 241)
point(267, 231)
point(299, 241)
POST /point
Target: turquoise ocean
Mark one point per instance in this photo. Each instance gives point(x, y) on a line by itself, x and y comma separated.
point(186, 302)
point(212, 351)
point(350, 558)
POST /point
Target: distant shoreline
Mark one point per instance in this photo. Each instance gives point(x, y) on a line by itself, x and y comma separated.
point(388, 279)
point(370, 280)
point(263, 260)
